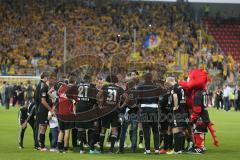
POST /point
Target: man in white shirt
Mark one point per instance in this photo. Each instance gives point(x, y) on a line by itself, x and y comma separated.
point(237, 97)
point(226, 93)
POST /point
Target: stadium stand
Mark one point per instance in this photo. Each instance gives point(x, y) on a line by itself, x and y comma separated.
point(33, 35)
point(227, 35)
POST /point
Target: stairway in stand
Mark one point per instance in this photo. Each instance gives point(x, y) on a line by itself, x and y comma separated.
point(227, 36)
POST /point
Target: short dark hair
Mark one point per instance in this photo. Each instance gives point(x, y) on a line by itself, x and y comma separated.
point(130, 84)
point(72, 79)
point(44, 74)
point(112, 78)
point(148, 77)
point(73, 74)
point(87, 78)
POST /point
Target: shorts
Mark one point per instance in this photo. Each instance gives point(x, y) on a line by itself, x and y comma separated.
point(180, 120)
point(164, 120)
point(84, 125)
point(111, 119)
point(201, 128)
point(202, 122)
point(164, 126)
point(177, 124)
point(42, 117)
point(65, 125)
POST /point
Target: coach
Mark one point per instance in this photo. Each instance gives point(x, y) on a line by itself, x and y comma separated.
point(149, 114)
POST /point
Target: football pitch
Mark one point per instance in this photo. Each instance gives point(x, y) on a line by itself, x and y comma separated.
point(226, 124)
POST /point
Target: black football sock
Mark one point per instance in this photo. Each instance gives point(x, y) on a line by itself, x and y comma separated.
point(113, 140)
point(60, 146)
point(165, 141)
point(160, 139)
point(189, 139)
point(183, 141)
point(21, 137)
point(74, 137)
point(65, 148)
point(170, 141)
point(42, 140)
point(97, 137)
point(89, 132)
point(91, 139)
point(81, 146)
point(119, 131)
point(109, 137)
point(140, 136)
point(101, 139)
point(50, 138)
point(84, 137)
point(177, 142)
point(80, 138)
point(130, 135)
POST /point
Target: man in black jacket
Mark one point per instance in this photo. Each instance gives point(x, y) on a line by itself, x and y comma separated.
point(149, 114)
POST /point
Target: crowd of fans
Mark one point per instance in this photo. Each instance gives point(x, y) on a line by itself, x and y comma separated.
point(33, 33)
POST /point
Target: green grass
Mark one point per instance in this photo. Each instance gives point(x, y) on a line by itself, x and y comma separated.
point(227, 126)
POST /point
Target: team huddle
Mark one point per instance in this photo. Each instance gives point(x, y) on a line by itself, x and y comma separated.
point(175, 112)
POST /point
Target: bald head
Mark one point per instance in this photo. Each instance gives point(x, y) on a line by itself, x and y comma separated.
point(171, 80)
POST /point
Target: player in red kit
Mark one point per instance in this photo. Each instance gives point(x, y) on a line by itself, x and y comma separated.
point(67, 98)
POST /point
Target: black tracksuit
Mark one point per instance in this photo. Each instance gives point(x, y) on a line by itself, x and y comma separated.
point(149, 116)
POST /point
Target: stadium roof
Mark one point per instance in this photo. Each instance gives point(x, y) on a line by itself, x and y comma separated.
point(196, 1)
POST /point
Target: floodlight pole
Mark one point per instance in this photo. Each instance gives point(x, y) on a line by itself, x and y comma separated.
point(65, 50)
point(200, 39)
point(179, 58)
point(134, 40)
